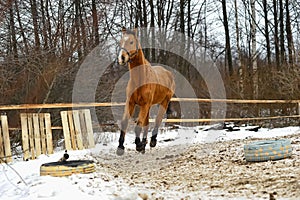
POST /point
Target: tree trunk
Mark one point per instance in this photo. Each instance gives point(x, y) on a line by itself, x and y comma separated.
point(152, 24)
point(77, 28)
point(253, 49)
point(22, 32)
point(281, 24)
point(267, 36)
point(289, 35)
point(145, 21)
point(95, 30)
point(35, 16)
point(13, 34)
point(241, 69)
point(276, 39)
point(44, 26)
point(227, 36)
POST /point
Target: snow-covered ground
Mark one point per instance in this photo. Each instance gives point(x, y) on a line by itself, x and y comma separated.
point(22, 180)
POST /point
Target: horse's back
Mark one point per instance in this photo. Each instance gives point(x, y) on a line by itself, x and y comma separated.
point(165, 77)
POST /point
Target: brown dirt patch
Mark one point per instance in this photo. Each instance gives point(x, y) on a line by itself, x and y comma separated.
point(217, 169)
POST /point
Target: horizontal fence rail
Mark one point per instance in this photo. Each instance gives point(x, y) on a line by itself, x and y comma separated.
point(110, 104)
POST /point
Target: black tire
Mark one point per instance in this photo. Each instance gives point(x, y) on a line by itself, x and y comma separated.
point(67, 168)
point(267, 150)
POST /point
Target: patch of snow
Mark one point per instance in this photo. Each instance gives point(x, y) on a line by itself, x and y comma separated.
point(21, 179)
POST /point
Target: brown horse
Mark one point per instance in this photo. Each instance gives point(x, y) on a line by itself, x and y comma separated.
point(148, 85)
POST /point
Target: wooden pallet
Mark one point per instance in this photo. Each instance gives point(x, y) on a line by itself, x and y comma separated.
point(5, 150)
point(36, 134)
point(78, 129)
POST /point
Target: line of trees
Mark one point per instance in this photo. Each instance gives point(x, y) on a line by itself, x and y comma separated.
point(255, 44)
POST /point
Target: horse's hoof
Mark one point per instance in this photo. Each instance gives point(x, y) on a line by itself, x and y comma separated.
point(140, 147)
point(153, 142)
point(120, 151)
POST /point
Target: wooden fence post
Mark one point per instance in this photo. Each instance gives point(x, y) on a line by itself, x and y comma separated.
point(1, 145)
point(6, 155)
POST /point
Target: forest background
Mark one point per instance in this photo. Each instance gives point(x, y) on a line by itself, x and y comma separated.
point(254, 44)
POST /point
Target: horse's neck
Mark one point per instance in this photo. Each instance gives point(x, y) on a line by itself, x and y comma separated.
point(139, 61)
point(139, 69)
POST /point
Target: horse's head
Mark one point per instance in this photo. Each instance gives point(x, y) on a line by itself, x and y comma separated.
point(129, 46)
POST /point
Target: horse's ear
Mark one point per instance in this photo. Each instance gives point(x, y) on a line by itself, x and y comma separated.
point(124, 29)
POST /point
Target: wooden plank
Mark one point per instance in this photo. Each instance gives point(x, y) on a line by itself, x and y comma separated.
point(83, 129)
point(109, 104)
point(25, 144)
point(89, 128)
point(6, 140)
point(77, 127)
point(59, 105)
point(226, 119)
point(48, 131)
point(36, 133)
point(1, 145)
point(30, 134)
point(42, 132)
point(65, 124)
point(72, 130)
point(244, 101)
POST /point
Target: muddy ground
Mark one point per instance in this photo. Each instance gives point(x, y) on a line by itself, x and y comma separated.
point(205, 171)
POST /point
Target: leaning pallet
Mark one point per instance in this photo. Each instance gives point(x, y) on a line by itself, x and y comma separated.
point(36, 134)
point(5, 150)
point(77, 129)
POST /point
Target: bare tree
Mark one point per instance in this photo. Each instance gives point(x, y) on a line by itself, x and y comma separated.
point(276, 33)
point(281, 25)
point(289, 35)
point(13, 34)
point(35, 17)
point(240, 66)
point(95, 28)
point(227, 36)
point(253, 49)
point(267, 36)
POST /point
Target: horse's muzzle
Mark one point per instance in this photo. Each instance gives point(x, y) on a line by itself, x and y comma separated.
point(121, 60)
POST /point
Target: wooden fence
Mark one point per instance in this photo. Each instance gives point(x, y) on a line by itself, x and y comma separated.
point(5, 150)
point(36, 128)
point(110, 104)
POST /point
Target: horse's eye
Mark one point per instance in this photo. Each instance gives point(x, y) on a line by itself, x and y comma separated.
point(131, 42)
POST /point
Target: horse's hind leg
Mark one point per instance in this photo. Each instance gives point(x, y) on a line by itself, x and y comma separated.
point(158, 120)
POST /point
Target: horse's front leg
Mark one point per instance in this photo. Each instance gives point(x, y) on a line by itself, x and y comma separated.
point(142, 123)
point(129, 108)
point(142, 145)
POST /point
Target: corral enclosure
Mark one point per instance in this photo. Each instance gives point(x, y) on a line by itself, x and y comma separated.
point(41, 130)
